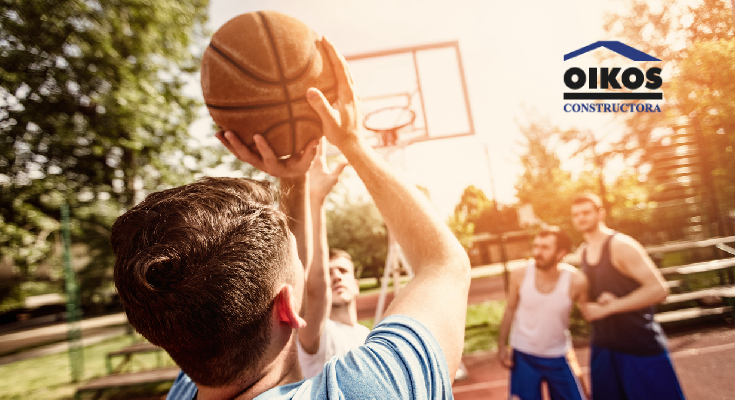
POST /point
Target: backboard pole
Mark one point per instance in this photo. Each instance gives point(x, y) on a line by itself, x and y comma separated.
point(392, 270)
point(418, 88)
point(464, 87)
point(503, 257)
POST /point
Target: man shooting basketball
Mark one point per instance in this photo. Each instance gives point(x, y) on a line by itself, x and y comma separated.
point(331, 288)
point(539, 303)
point(629, 359)
point(214, 273)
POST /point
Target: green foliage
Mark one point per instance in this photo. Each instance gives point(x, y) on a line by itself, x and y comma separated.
point(544, 184)
point(482, 326)
point(49, 377)
point(355, 226)
point(550, 189)
point(475, 213)
point(463, 229)
point(697, 42)
point(93, 113)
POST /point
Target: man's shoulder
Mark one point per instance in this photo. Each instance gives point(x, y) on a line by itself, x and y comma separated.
point(624, 246)
point(183, 388)
point(399, 353)
point(574, 271)
point(623, 241)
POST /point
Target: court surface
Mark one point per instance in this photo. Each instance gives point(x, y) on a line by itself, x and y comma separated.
point(704, 357)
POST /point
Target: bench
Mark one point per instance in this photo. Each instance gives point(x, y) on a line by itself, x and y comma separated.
point(127, 355)
point(159, 375)
point(683, 273)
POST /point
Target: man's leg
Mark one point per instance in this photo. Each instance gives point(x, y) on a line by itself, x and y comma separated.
point(562, 383)
point(649, 377)
point(604, 375)
point(525, 380)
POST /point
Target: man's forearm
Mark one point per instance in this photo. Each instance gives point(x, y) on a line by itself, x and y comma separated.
point(505, 325)
point(407, 212)
point(642, 297)
point(294, 202)
point(318, 291)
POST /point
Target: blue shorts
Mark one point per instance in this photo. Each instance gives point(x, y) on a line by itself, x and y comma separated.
point(529, 371)
point(617, 375)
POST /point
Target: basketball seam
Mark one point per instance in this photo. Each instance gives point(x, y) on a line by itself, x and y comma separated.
point(258, 106)
point(247, 72)
point(282, 76)
point(252, 146)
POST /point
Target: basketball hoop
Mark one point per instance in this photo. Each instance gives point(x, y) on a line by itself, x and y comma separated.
point(387, 121)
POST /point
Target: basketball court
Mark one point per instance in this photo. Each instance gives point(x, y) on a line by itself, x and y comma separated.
point(704, 357)
point(418, 94)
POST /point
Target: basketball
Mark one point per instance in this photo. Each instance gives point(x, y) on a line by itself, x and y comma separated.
point(255, 74)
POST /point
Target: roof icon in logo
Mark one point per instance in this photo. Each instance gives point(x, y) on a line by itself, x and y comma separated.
point(618, 47)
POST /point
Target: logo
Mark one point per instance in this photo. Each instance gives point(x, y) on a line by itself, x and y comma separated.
point(614, 80)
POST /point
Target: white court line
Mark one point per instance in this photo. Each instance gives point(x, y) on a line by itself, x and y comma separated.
point(678, 354)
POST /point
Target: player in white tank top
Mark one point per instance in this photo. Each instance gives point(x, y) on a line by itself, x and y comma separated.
point(541, 324)
point(537, 318)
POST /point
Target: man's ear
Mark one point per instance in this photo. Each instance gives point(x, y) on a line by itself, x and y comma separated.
point(287, 309)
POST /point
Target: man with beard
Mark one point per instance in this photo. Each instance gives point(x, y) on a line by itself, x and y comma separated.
point(539, 303)
point(629, 359)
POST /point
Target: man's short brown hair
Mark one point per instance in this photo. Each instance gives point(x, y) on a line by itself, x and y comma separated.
point(588, 198)
point(563, 242)
point(197, 270)
point(338, 253)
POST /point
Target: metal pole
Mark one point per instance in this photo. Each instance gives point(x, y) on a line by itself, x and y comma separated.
point(503, 255)
point(73, 309)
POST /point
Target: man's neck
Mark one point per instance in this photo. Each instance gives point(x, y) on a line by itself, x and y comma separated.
point(598, 235)
point(549, 274)
point(281, 370)
point(344, 314)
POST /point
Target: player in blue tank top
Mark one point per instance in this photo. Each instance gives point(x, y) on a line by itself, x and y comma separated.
point(629, 359)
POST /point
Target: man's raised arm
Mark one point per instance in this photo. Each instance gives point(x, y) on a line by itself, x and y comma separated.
point(437, 296)
point(318, 287)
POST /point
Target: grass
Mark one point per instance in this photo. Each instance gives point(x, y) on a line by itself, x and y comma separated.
point(49, 377)
point(481, 326)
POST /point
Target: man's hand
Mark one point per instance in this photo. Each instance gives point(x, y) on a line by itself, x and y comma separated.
point(505, 357)
point(595, 311)
point(321, 179)
point(340, 121)
point(294, 166)
point(606, 298)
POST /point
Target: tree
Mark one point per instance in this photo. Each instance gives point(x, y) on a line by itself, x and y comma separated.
point(544, 184)
point(697, 42)
point(472, 203)
point(93, 113)
point(355, 225)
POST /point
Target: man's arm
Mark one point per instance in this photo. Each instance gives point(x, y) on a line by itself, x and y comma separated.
point(504, 356)
point(437, 296)
point(318, 287)
point(579, 287)
point(631, 260)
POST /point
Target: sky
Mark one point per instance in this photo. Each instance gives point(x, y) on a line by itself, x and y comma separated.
point(513, 61)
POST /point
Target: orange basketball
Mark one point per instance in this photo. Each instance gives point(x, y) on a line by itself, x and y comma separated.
point(255, 74)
